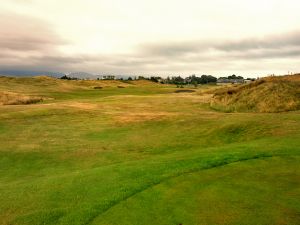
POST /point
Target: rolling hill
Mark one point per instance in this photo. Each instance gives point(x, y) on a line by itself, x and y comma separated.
point(270, 94)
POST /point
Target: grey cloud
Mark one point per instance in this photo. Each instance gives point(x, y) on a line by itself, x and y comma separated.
point(208, 55)
point(20, 43)
point(267, 54)
point(23, 33)
point(190, 48)
point(58, 59)
point(173, 48)
point(28, 42)
point(269, 42)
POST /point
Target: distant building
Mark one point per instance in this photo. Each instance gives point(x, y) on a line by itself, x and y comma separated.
point(224, 81)
point(108, 77)
point(247, 81)
point(161, 80)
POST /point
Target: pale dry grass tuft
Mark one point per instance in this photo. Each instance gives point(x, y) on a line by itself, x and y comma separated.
point(10, 98)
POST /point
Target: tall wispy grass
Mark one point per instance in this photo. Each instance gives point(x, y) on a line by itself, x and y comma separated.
point(10, 98)
point(270, 94)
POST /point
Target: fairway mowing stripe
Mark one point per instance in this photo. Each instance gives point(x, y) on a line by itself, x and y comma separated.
point(210, 165)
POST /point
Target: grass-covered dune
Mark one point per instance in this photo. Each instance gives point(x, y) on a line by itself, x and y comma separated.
point(270, 94)
point(11, 98)
point(44, 84)
point(143, 154)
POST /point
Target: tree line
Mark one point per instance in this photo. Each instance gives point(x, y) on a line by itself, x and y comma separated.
point(177, 80)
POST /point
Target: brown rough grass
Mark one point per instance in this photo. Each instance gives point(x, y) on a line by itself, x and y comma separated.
point(143, 82)
point(10, 98)
point(270, 94)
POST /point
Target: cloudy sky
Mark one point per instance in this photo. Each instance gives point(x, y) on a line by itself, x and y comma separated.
point(155, 37)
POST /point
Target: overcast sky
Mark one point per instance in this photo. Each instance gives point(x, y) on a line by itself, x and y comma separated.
point(155, 37)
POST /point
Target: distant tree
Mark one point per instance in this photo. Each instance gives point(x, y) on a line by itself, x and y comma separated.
point(195, 83)
point(155, 79)
point(205, 79)
point(168, 80)
point(129, 78)
point(234, 77)
point(65, 77)
point(177, 80)
point(193, 79)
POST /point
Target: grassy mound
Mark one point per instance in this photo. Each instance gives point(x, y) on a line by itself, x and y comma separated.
point(271, 94)
point(10, 98)
point(45, 83)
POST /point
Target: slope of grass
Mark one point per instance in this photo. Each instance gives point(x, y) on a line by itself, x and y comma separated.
point(230, 194)
point(144, 155)
point(272, 94)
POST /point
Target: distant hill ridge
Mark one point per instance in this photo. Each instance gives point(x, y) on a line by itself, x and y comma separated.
point(25, 73)
point(79, 75)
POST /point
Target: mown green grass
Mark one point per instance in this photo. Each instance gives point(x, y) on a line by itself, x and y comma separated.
point(61, 164)
point(108, 91)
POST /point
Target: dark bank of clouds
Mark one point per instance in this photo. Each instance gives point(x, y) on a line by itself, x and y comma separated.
point(22, 34)
point(277, 43)
point(213, 55)
point(29, 43)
